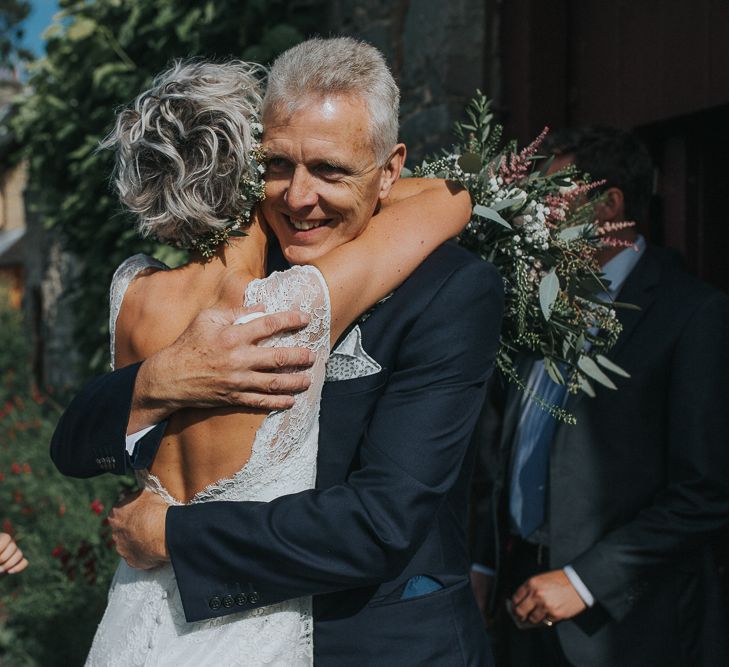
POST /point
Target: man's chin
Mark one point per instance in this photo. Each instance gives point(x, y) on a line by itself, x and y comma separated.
point(298, 254)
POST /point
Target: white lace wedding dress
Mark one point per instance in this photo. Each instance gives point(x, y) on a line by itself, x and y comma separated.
point(144, 623)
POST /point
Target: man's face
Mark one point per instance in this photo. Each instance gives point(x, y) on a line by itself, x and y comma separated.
point(322, 180)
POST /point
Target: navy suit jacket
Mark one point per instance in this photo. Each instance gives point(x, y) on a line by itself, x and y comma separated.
point(640, 485)
point(394, 467)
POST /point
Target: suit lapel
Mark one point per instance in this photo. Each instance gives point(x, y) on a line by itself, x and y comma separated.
point(639, 290)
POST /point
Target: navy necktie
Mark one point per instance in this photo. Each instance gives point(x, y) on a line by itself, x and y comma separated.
point(530, 467)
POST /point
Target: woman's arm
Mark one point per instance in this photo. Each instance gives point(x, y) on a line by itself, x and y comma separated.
point(414, 220)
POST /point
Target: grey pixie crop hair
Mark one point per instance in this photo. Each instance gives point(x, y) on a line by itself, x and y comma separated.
point(339, 65)
point(183, 146)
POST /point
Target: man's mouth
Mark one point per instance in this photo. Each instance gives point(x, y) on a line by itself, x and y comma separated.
point(306, 225)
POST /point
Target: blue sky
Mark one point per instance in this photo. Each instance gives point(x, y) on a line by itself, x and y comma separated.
point(40, 18)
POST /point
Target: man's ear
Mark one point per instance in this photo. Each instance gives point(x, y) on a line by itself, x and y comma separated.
point(612, 206)
point(391, 169)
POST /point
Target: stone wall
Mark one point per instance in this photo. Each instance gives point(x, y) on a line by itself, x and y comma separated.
point(437, 52)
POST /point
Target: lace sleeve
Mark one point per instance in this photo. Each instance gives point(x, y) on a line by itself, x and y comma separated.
point(299, 288)
point(123, 276)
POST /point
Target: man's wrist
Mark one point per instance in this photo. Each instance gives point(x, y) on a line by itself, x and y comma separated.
point(579, 585)
point(149, 405)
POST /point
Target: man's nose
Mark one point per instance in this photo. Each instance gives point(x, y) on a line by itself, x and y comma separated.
point(302, 189)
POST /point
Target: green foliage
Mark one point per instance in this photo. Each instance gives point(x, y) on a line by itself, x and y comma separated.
point(12, 15)
point(100, 55)
point(58, 522)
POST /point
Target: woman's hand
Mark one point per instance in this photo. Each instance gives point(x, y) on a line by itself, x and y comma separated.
point(12, 560)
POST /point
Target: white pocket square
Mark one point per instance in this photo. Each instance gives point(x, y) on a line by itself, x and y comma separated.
point(349, 359)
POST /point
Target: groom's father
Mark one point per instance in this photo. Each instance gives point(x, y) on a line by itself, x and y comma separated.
point(381, 541)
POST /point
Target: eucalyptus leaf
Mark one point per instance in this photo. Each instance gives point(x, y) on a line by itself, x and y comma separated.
point(586, 386)
point(625, 306)
point(490, 214)
point(545, 167)
point(591, 369)
point(553, 371)
point(548, 292)
point(507, 203)
point(470, 163)
point(573, 233)
point(606, 363)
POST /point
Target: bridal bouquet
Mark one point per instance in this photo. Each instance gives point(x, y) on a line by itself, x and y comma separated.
point(541, 232)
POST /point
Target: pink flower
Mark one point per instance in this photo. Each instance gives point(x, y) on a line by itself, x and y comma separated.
point(97, 507)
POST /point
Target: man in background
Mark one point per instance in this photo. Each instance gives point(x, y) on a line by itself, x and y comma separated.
point(596, 537)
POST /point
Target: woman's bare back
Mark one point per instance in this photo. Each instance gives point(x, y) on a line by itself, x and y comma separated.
point(200, 446)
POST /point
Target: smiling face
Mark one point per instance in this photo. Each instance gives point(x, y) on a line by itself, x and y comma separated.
point(322, 179)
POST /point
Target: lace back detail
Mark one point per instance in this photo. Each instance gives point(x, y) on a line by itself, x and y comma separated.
point(128, 270)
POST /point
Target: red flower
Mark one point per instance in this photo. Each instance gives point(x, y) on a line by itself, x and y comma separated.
point(97, 507)
point(8, 527)
point(26, 468)
point(57, 551)
point(61, 510)
point(15, 469)
point(2, 476)
point(37, 396)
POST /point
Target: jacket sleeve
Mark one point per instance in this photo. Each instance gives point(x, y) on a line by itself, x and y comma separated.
point(694, 503)
point(90, 437)
point(365, 530)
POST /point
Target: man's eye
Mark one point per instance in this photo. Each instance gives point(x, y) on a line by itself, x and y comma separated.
point(277, 164)
point(330, 170)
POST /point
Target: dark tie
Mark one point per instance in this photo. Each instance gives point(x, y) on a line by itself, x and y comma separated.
point(530, 467)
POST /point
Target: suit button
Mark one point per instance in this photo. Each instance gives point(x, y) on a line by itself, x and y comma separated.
point(253, 597)
point(241, 599)
point(214, 603)
point(228, 601)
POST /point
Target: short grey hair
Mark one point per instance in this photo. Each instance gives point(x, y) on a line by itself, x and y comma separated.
point(183, 146)
point(338, 66)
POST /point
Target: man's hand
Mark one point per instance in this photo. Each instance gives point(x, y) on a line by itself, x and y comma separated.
point(482, 584)
point(138, 529)
point(547, 597)
point(215, 363)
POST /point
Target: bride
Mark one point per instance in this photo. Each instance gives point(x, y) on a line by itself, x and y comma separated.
point(187, 165)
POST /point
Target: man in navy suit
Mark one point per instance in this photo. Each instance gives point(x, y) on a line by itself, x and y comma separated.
point(381, 542)
point(599, 534)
